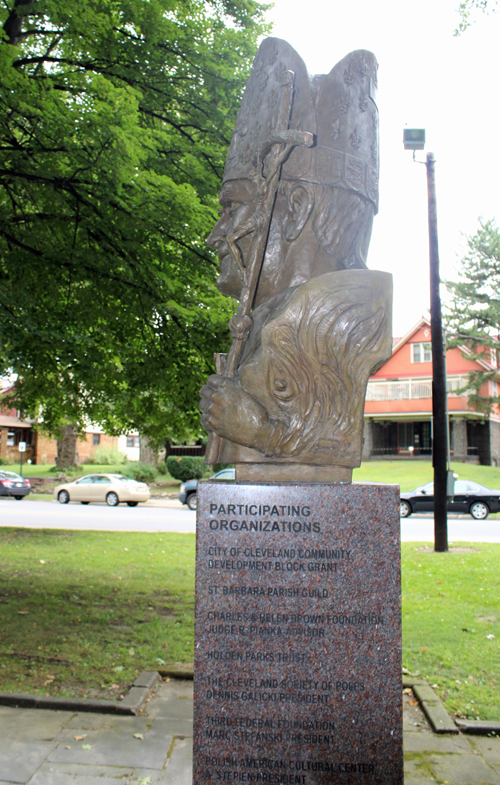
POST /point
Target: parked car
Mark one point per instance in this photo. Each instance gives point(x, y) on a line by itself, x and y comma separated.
point(109, 488)
point(12, 484)
point(470, 497)
point(187, 493)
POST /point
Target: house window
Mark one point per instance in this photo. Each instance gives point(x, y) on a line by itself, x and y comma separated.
point(132, 441)
point(96, 439)
point(421, 353)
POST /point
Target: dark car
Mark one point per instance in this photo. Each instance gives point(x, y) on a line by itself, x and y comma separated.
point(187, 493)
point(470, 497)
point(12, 484)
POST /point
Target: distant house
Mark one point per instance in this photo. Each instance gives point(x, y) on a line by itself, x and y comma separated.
point(14, 430)
point(43, 449)
point(398, 408)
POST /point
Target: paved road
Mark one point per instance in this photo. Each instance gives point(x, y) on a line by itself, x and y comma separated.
point(37, 514)
point(460, 529)
point(171, 516)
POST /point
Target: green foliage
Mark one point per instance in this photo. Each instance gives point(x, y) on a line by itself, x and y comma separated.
point(116, 117)
point(218, 467)
point(67, 471)
point(467, 9)
point(162, 468)
point(107, 456)
point(473, 314)
point(185, 467)
point(142, 472)
point(3, 462)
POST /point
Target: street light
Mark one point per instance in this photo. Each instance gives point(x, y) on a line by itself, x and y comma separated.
point(414, 139)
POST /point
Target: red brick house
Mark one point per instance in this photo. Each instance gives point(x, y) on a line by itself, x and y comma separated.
point(41, 448)
point(13, 430)
point(398, 408)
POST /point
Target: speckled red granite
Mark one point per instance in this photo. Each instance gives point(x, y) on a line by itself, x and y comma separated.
point(298, 634)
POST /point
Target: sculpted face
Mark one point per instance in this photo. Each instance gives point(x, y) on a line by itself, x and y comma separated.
point(314, 230)
point(290, 251)
point(238, 201)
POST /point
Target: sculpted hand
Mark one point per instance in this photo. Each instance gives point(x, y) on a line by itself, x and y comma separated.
point(227, 409)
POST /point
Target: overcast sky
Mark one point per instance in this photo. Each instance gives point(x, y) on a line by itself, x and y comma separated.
point(427, 79)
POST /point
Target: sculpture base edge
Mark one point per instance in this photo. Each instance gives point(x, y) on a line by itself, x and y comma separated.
point(292, 472)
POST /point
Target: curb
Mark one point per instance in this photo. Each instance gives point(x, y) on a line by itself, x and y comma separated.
point(479, 727)
point(130, 705)
point(177, 673)
point(439, 719)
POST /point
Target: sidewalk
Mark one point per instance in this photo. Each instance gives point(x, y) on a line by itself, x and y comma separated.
point(44, 747)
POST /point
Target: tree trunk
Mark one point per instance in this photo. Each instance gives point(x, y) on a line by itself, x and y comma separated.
point(14, 23)
point(67, 454)
point(147, 454)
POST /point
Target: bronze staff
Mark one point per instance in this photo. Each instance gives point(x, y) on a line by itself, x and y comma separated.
point(271, 157)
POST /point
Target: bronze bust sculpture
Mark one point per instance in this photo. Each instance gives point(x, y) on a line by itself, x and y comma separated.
point(299, 193)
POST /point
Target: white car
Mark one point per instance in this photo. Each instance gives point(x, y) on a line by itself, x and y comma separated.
point(109, 488)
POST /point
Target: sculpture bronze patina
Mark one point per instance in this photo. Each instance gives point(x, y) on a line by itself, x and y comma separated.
point(299, 194)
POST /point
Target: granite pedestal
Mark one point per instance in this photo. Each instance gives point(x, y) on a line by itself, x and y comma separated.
point(298, 634)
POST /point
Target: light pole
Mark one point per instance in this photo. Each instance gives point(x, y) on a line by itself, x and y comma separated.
point(414, 139)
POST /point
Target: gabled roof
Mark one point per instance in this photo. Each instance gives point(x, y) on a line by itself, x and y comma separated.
point(425, 321)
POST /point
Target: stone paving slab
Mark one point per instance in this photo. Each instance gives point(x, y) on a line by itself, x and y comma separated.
point(19, 760)
point(114, 747)
point(463, 770)
point(26, 724)
point(74, 774)
point(179, 770)
point(489, 748)
point(33, 741)
point(429, 742)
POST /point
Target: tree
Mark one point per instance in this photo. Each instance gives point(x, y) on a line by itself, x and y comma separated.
point(473, 314)
point(115, 123)
point(467, 10)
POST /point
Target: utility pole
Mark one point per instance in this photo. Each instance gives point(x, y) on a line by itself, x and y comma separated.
point(414, 139)
point(439, 403)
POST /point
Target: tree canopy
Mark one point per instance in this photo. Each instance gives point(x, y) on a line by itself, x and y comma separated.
point(473, 312)
point(467, 10)
point(115, 121)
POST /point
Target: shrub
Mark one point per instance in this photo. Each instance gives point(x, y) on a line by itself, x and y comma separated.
point(142, 472)
point(4, 462)
point(162, 468)
point(217, 467)
point(185, 467)
point(107, 456)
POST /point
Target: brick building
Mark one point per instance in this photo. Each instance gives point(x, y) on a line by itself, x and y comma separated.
point(43, 449)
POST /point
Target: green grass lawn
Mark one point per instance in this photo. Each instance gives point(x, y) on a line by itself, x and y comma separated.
point(82, 613)
point(48, 470)
point(411, 474)
point(451, 624)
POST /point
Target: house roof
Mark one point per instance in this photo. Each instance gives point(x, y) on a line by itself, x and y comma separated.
point(425, 321)
point(13, 422)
